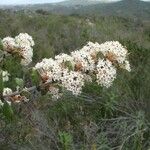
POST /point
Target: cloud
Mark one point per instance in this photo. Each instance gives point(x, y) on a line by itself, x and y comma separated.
point(9, 2)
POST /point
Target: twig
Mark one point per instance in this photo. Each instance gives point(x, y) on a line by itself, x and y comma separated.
point(33, 88)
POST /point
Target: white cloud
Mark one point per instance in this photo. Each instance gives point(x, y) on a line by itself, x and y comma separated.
point(3, 2)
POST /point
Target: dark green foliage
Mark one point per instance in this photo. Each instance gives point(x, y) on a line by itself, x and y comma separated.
point(35, 77)
point(7, 111)
point(19, 82)
point(65, 140)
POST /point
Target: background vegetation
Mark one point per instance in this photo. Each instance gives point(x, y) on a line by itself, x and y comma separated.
point(117, 118)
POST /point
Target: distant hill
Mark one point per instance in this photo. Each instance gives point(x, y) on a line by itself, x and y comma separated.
point(79, 2)
point(124, 8)
point(129, 8)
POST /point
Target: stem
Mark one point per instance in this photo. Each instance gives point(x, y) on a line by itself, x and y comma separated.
point(33, 88)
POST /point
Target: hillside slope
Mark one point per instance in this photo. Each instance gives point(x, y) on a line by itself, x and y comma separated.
point(125, 8)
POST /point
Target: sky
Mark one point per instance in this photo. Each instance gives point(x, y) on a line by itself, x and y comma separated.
point(8, 2)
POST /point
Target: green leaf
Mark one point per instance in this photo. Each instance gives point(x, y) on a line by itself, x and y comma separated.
point(8, 111)
point(66, 140)
point(99, 55)
point(26, 93)
point(69, 65)
point(35, 77)
point(19, 82)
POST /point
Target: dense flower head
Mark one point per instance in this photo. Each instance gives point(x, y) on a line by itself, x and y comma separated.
point(9, 44)
point(83, 60)
point(24, 40)
point(73, 81)
point(21, 45)
point(106, 73)
point(114, 51)
point(49, 69)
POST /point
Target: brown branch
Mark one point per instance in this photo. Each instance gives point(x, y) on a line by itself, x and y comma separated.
point(27, 89)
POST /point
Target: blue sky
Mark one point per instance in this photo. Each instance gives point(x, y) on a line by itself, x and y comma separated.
point(7, 2)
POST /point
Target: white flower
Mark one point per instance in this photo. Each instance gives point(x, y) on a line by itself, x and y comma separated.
point(84, 59)
point(73, 81)
point(114, 51)
point(106, 73)
point(91, 47)
point(127, 66)
point(27, 54)
point(22, 45)
point(63, 58)
point(24, 40)
point(5, 76)
point(8, 44)
point(7, 91)
point(50, 69)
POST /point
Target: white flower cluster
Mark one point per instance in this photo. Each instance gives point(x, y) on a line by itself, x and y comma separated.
point(99, 60)
point(115, 52)
point(83, 61)
point(106, 73)
point(24, 40)
point(9, 44)
point(52, 71)
point(5, 76)
point(7, 91)
point(73, 81)
point(21, 45)
point(49, 70)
